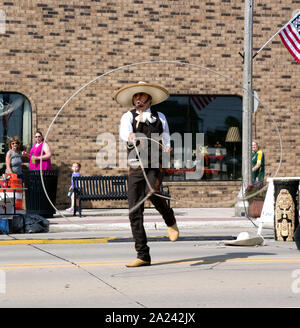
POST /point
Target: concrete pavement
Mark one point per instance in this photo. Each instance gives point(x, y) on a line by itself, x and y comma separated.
point(108, 225)
point(117, 219)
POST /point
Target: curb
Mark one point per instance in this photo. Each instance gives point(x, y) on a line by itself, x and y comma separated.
point(109, 240)
point(55, 241)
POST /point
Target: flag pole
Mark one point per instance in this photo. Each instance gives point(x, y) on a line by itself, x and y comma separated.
point(275, 34)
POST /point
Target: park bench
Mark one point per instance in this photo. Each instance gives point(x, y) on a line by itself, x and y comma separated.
point(91, 188)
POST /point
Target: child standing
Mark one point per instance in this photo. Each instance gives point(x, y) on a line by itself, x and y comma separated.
point(76, 173)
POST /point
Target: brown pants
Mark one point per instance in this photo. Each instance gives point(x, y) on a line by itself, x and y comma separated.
point(137, 190)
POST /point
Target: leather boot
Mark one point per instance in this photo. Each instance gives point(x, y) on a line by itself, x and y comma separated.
point(137, 263)
point(173, 232)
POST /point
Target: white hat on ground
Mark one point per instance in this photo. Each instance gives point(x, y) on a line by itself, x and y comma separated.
point(244, 239)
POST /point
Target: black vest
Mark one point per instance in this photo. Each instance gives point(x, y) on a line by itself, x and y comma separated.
point(147, 129)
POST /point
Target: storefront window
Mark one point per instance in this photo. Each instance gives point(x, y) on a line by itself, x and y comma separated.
point(15, 110)
point(219, 119)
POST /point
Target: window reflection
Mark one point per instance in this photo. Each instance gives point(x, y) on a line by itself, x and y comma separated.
point(213, 116)
point(15, 120)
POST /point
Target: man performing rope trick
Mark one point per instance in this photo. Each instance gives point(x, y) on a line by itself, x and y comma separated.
point(144, 180)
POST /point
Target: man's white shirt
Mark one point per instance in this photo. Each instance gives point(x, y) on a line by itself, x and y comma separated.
point(126, 126)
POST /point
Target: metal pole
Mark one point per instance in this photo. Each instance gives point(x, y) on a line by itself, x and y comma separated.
point(241, 207)
point(248, 94)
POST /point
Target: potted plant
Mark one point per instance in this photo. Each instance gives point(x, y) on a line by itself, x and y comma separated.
point(255, 194)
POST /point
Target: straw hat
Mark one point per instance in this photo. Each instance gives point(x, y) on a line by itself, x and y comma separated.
point(124, 95)
point(244, 239)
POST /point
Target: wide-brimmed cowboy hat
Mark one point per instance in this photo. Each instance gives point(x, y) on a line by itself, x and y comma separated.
point(124, 95)
point(244, 239)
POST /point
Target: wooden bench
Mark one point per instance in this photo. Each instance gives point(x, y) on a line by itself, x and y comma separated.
point(91, 188)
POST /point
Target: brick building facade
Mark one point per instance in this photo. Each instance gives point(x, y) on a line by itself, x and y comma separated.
point(52, 48)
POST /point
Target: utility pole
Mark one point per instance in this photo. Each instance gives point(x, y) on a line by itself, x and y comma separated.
point(247, 106)
point(248, 93)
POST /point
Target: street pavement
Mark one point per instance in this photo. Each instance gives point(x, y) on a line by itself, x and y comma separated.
point(87, 267)
point(104, 225)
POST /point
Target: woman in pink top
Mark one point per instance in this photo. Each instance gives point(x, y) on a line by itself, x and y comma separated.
point(35, 154)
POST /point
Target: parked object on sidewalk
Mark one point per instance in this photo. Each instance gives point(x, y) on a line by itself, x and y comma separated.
point(27, 223)
point(286, 209)
point(244, 239)
point(16, 183)
point(11, 194)
point(17, 224)
point(12, 224)
point(35, 223)
point(4, 226)
point(36, 199)
point(255, 207)
point(255, 194)
point(89, 188)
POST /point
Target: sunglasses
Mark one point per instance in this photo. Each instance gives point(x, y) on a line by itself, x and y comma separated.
point(38, 136)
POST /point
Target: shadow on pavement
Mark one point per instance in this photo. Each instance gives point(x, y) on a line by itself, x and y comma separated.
point(214, 259)
point(186, 238)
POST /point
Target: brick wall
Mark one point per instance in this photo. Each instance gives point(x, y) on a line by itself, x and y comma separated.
point(52, 48)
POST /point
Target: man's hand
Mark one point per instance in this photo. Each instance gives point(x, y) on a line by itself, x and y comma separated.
point(132, 137)
point(167, 149)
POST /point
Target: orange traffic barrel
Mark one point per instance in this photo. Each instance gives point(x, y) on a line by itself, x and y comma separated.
point(4, 183)
point(14, 182)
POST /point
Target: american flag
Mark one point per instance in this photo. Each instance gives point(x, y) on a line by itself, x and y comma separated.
point(200, 102)
point(290, 36)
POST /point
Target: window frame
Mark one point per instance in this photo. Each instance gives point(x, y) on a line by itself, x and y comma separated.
point(24, 128)
point(231, 153)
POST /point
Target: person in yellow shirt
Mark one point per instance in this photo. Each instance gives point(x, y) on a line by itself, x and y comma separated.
point(258, 163)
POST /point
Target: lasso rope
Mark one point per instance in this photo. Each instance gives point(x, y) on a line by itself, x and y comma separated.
point(163, 62)
point(153, 192)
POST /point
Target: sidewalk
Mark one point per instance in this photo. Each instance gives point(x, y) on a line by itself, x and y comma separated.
point(112, 225)
point(117, 219)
